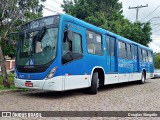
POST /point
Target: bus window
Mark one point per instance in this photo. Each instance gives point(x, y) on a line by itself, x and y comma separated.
point(98, 44)
point(90, 42)
point(141, 54)
point(94, 43)
point(135, 53)
point(71, 50)
point(147, 60)
point(129, 51)
point(77, 43)
point(107, 44)
point(65, 44)
point(147, 56)
point(122, 50)
point(144, 55)
point(150, 56)
point(112, 47)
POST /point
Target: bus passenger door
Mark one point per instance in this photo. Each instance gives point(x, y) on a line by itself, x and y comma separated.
point(111, 61)
point(135, 58)
point(111, 54)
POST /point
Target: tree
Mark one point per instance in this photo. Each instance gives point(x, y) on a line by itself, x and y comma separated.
point(108, 15)
point(157, 60)
point(138, 32)
point(12, 14)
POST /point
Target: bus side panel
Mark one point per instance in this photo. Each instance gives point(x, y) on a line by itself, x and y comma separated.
point(125, 69)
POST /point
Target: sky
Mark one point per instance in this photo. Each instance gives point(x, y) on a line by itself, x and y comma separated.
point(150, 13)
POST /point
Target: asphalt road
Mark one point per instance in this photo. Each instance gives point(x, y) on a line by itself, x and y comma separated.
point(120, 97)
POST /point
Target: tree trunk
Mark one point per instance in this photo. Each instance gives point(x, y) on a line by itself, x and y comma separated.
point(3, 70)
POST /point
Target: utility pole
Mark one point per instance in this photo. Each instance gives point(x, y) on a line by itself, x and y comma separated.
point(137, 10)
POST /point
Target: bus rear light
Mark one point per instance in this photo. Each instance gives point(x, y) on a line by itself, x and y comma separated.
point(51, 73)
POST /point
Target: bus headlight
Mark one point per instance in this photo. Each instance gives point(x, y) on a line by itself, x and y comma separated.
point(51, 73)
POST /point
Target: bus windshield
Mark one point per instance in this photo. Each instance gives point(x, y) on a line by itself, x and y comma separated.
point(37, 46)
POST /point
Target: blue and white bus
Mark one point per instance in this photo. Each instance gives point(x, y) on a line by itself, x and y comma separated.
point(61, 53)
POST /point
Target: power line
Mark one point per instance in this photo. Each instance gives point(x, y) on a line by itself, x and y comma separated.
point(58, 2)
point(50, 10)
point(155, 24)
point(58, 10)
point(158, 17)
point(143, 1)
point(156, 27)
point(157, 30)
point(151, 12)
point(137, 10)
point(136, 2)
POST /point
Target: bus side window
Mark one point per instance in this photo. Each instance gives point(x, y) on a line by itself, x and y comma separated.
point(147, 56)
point(112, 47)
point(144, 56)
point(76, 43)
point(141, 54)
point(135, 52)
point(122, 50)
point(107, 44)
point(71, 49)
point(90, 42)
point(150, 56)
point(129, 54)
point(94, 43)
point(98, 44)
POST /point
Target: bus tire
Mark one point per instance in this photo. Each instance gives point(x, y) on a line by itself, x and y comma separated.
point(94, 83)
point(143, 78)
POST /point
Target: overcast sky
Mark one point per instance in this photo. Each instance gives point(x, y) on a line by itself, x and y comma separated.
point(150, 13)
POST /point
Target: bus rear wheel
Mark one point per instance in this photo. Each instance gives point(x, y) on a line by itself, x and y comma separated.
point(94, 83)
point(143, 78)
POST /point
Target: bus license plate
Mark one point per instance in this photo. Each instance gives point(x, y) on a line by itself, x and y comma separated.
point(28, 84)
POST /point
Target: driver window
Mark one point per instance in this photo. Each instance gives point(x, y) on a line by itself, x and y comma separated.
point(65, 44)
point(74, 46)
point(71, 49)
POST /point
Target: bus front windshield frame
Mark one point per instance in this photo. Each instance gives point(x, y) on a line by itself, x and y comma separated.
point(37, 46)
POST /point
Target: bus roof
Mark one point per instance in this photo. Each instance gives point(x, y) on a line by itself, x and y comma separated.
point(89, 26)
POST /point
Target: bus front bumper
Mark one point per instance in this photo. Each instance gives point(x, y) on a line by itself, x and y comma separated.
point(53, 84)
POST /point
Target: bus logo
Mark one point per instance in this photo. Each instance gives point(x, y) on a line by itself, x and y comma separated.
point(31, 61)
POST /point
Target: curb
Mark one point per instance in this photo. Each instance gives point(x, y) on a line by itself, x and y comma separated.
point(10, 91)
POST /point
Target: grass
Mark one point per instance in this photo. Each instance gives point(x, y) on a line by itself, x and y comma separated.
point(11, 81)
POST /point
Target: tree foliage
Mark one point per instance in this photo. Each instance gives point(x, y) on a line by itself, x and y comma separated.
point(108, 15)
point(13, 13)
point(157, 60)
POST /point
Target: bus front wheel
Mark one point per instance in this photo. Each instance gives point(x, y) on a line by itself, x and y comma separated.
point(94, 83)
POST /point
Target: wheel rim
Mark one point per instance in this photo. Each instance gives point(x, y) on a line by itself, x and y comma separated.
point(97, 83)
point(143, 78)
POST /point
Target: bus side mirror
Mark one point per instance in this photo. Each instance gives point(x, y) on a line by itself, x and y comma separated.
point(69, 36)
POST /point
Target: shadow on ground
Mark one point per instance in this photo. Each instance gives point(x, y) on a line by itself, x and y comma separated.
point(79, 92)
